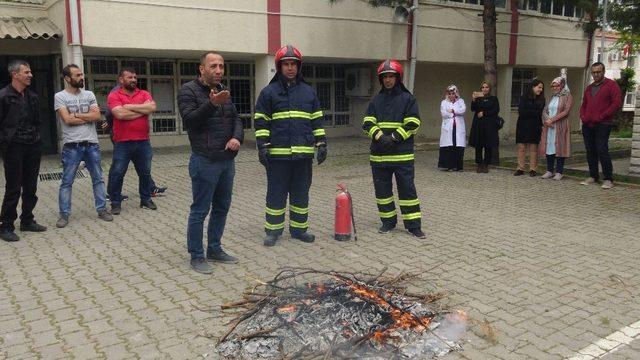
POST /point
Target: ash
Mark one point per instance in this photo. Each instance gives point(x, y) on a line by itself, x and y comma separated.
point(340, 315)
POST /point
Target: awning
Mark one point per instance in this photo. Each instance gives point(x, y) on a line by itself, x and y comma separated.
point(28, 28)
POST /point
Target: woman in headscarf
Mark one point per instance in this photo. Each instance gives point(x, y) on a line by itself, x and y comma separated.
point(484, 128)
point(452, 132)
point(555, 141)
point(529, 126)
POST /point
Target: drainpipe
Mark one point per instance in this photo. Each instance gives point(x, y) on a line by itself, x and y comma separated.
point(414, 45)
point(74, 32)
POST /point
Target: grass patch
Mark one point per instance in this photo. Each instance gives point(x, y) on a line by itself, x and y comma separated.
point(623, 133)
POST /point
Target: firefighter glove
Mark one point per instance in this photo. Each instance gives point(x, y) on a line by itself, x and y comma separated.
point(322, 153)
point(263, 156)
point(386, 142)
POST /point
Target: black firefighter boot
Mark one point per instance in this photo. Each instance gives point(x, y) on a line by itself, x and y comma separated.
point(304, 237)
point(270, 240)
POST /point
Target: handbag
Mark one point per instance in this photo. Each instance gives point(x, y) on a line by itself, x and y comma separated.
point(500, 122)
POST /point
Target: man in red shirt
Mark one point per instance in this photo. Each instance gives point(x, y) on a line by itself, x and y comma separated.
point(130, 107)
point(601, 100)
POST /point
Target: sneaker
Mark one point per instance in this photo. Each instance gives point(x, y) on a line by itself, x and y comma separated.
point(518, 172)
point(222, 256)
point(270, 240)
point(8, 235)
point(104, 215)
point(558, 176)
point(158, 190)
point(200, 265)
point(417, 232)
point(62, 221)
point(115, 209)
point(588, 181)
point(607, 184)
point(33, 227)
point(547, 175)
point(533, 173)
point(304, 237)
point(149, 204)
point(386, 228)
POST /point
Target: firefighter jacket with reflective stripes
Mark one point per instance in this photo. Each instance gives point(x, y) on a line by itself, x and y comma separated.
point(288, 120)
point(392, 112)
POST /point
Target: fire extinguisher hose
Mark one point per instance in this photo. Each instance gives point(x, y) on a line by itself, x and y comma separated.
point(353, 219)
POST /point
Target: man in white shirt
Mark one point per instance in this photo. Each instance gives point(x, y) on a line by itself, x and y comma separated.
point(77, 110)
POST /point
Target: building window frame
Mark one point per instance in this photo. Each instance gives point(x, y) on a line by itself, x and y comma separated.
point(333, 116)
point(520, 81)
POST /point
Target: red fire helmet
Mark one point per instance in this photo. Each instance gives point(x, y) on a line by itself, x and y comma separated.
point(390, 66)
point(288, 52)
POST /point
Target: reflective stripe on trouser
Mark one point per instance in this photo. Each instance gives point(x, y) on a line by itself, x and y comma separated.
point(408, 200)
point(288, 178)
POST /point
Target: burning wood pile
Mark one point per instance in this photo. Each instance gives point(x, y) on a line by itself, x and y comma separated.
point(306, 313)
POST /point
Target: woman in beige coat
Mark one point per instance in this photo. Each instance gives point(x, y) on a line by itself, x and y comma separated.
point(555, 142)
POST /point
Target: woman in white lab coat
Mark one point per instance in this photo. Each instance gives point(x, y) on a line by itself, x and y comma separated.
point(452, 132)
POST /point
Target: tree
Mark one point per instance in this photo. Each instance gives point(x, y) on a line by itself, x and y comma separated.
point(625, 20)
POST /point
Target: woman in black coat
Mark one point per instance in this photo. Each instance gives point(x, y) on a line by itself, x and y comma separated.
point(484, 129)
point(529, 126)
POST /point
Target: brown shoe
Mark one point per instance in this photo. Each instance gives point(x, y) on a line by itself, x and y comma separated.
point(479, 168)
point(485, 168)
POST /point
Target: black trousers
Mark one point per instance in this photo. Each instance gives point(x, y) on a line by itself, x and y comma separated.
point(487, 155)
point(293, 179)
point(407, 197)
point(451, 157)
point(596, 142)
point(21, 167)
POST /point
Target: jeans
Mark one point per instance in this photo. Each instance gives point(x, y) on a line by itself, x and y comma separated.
point(71, 157)
point(211, 187)
point(21, 167)
point(596, 142)
point(139, 152)
point(551, 161)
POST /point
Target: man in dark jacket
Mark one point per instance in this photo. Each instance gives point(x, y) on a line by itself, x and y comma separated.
point(215, 133)
point(288, 123)
point(391, 122)
point(601, 100)
point(20, 148)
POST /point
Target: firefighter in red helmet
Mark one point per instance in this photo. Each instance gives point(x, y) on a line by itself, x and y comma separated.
point(391, 122)
point(288, 124)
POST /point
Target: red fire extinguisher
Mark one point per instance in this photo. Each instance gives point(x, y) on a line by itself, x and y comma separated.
point(344, 215)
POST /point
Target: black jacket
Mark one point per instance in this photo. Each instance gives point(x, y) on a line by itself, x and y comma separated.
point(484, 130)
point(392, 112)
point(529, 125)
point(289, 119)
point(10, 107)
point(209, 127)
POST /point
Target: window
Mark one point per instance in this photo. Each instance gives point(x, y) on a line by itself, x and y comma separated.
point(499, 3)
point(521, 81)
point(328, 81)
point(599, 54)
point(553, 7)
point(630, 98)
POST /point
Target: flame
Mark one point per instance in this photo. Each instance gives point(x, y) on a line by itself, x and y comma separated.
point(287, 309)
point(402, 319)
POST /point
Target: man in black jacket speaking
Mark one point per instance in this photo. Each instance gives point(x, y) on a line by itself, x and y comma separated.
point(215, 133)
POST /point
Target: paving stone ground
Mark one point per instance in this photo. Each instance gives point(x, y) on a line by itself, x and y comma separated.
point(551, 266)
